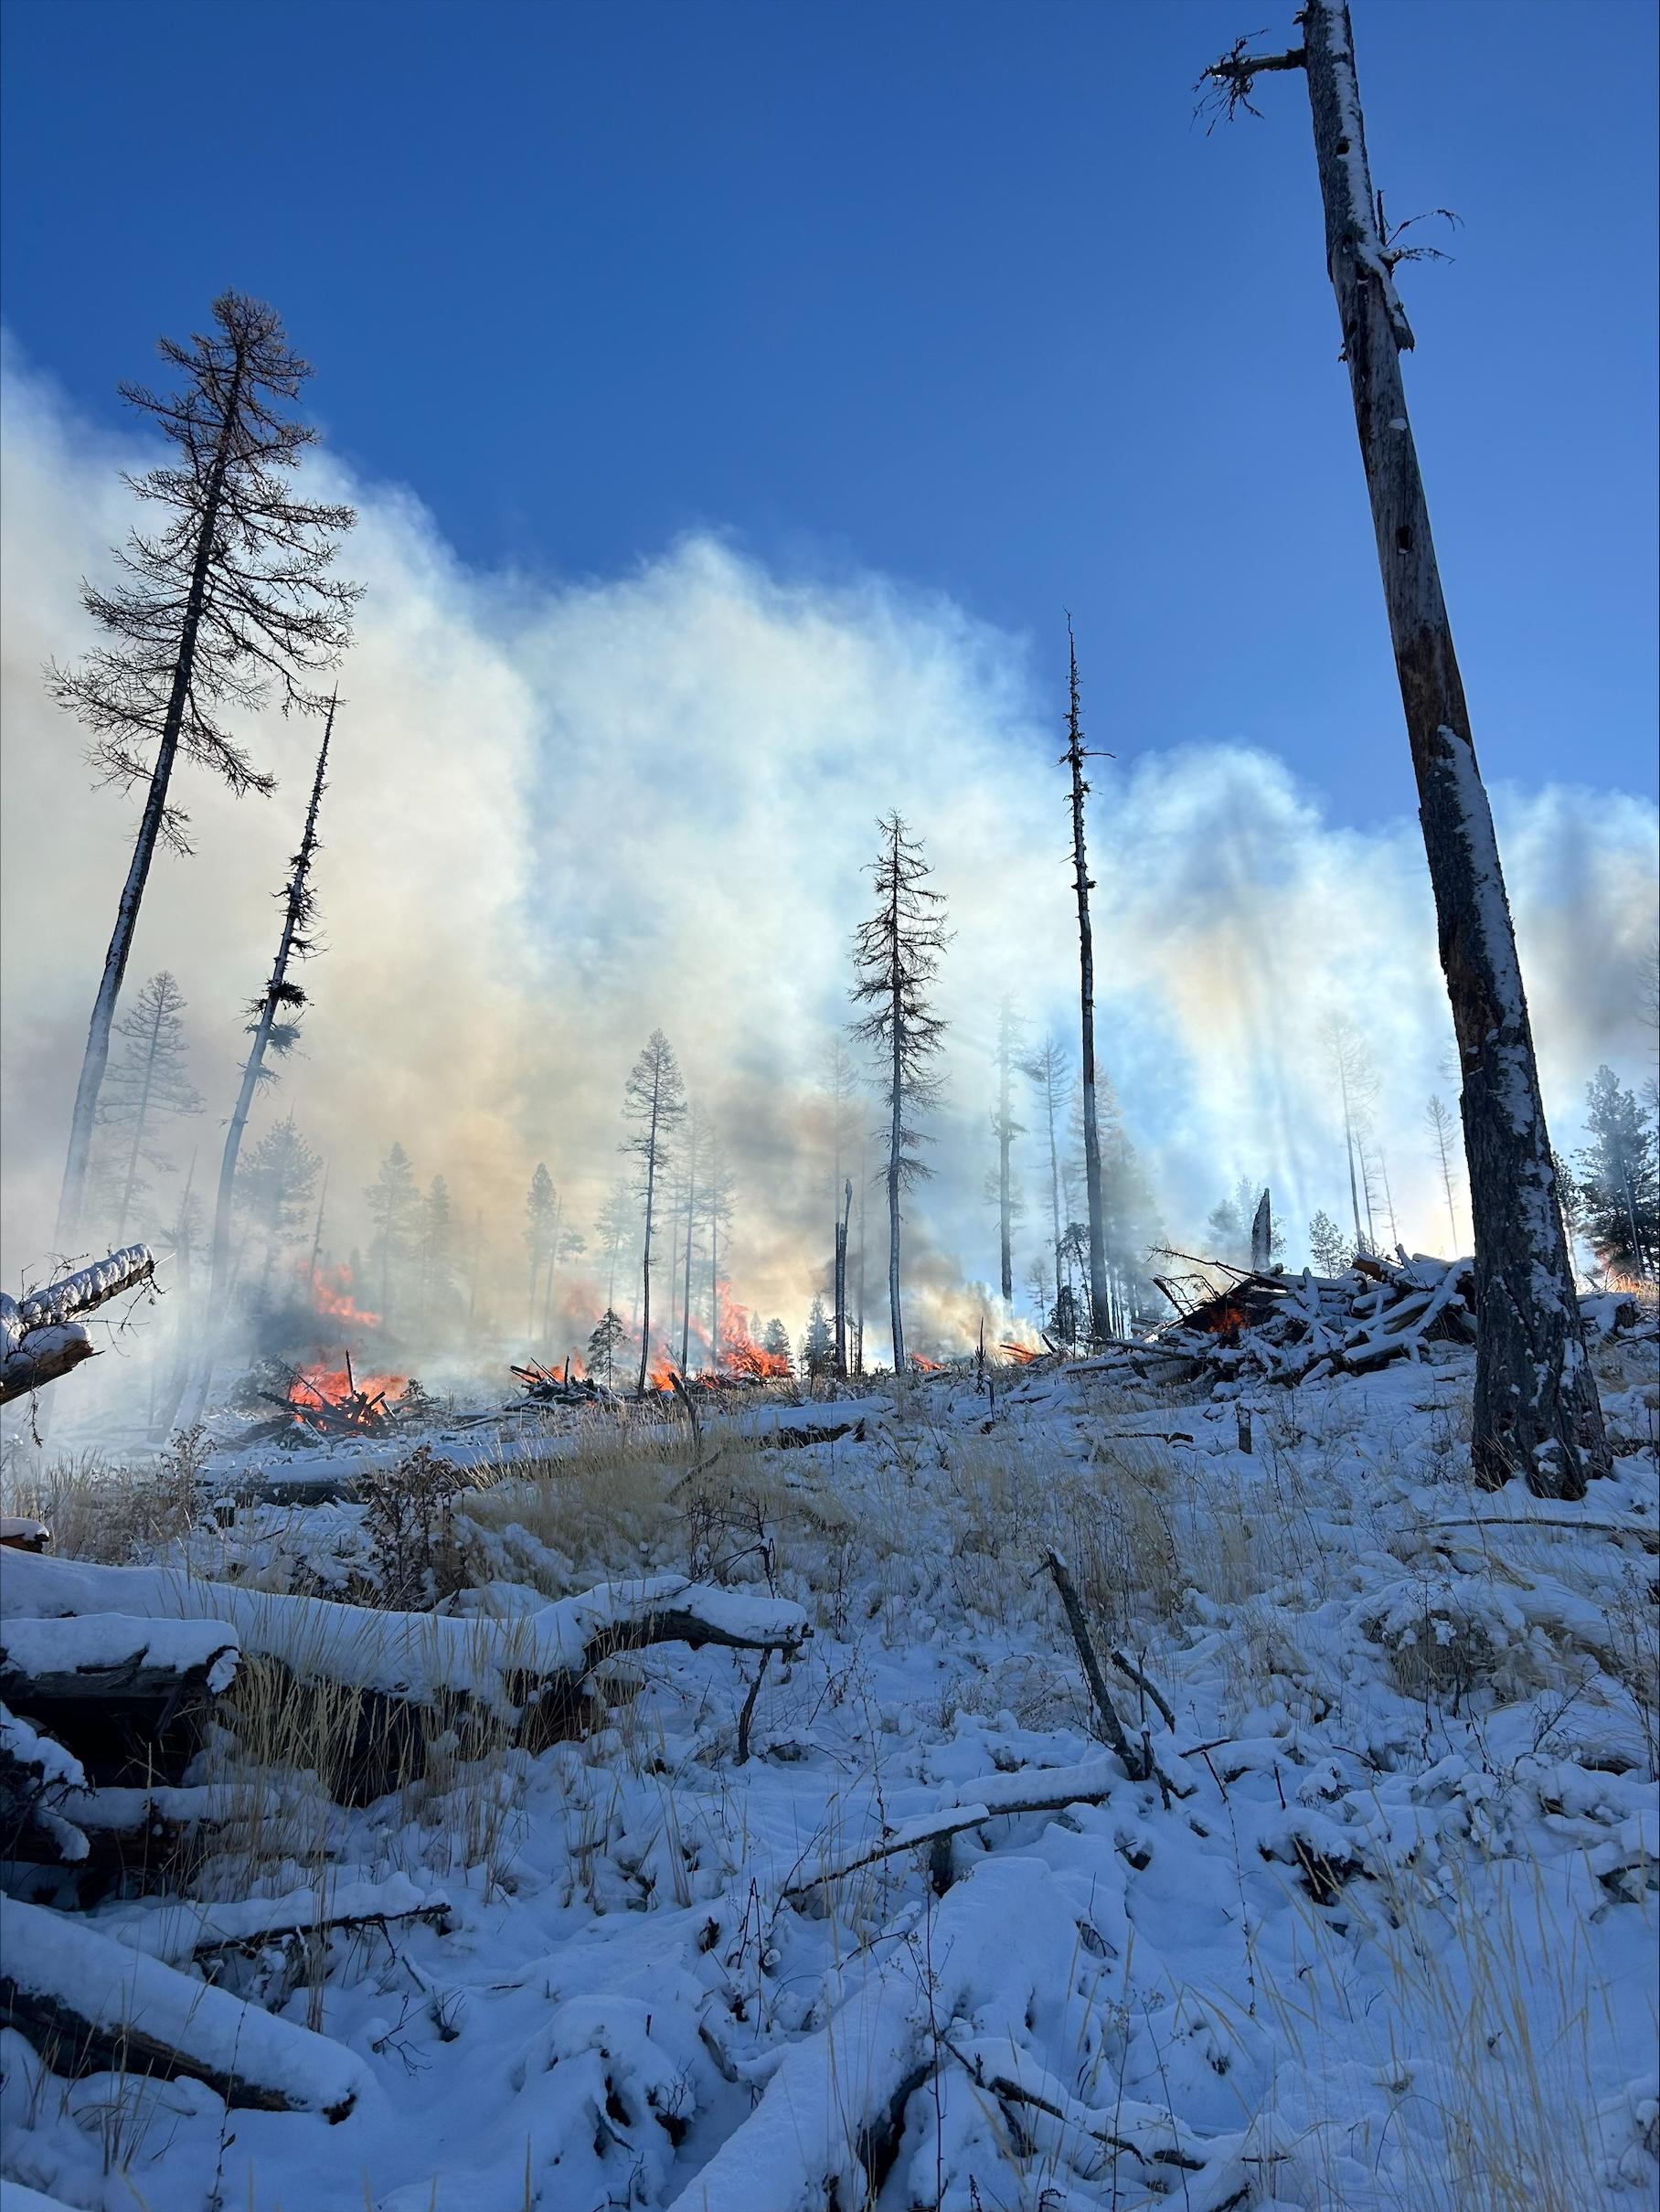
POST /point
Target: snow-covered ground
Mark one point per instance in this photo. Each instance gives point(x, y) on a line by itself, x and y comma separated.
point(1382, 1933)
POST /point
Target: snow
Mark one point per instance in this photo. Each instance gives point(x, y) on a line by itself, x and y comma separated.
point(1393, 1944)
point(52, 1955)
point(114, 1643)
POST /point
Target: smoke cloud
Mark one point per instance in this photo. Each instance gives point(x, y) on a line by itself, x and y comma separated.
point(562, 812)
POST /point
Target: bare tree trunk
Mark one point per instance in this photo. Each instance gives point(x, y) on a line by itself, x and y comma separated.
point(895, 1144)
point(858, 1317)
point(714, 1289)
point(1006, 1137)
point(646, 1257)
point(1535, 1403)
point(691, 1217)
point(841, 1282)
point(97, 1057)
point(1075, 756)
point(275, 998)
point(1349, 1140)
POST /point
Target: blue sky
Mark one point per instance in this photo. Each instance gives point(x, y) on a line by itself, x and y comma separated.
point(957, 293)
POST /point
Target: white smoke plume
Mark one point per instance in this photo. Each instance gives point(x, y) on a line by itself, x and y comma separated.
point(561, 813)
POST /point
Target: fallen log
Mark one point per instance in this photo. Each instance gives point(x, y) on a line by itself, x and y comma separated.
point(40, 1335)
point(36, 1775)
point(128, 1694)
point(22, 1532)
point(415, 1675)
point(89, 2004)
point(181, 1930)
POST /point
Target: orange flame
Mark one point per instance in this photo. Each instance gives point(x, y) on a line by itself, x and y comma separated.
point(332, 1296)
point(927, 1366)
point(334, 1385)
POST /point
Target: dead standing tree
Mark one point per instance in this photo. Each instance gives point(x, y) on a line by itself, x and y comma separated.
point(1075, 755)
point(1046, 1072)
point(654, 1100)
point(230, 596)
point(896, 956)
point(1535, 1402)
point(273, 1029)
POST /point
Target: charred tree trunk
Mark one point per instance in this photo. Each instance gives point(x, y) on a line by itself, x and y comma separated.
point(841, 1281)
point(1536, 1409)
point(1075, 756)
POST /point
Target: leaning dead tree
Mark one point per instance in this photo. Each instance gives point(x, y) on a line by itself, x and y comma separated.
point(41, 1337)
point(273, 1029)
point(230, 596)
point(1535, 1402)
point(1075, 755)
point(896, 956)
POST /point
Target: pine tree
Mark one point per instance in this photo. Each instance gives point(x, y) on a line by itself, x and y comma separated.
point(539, 1232)
point(1353, 1077)
point(229, 597)
point(1327, 1247)
point(146, 1086)
point(1619, 1187)
point(274, 1188)
point(895, 957)
point(776, 1345)
point(1230, 1224)
point(1075, 756)
point(394, 1204)
point(654, 1101)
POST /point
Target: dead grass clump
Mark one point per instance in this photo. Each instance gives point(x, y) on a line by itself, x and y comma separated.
point(112, 1514)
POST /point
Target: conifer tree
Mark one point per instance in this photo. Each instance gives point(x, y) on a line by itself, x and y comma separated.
point(1076, 754)
point(614, 1232)
point(776, 1344)
point(1619, 1188)
point(274, 1188)
point(540, 1202)
point(654, 1101)
point(436, 1235)
point(1005, 1129)
point(818, 1346)
point(1444, 1141)
point(1046, 1072)
point(895, 957)
point(1327, 1247)
point(609, 1336)
point(229, 596)
point(715, 1213)
point(148, 1084)
point(394, 1204)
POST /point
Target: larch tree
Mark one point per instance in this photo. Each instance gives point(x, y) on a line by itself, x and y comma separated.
point(655, 1102)
point(274, 1031)
point(1535, 1405)
point(1074, 756)
point(1011, 1030)
point(1443, 1142)
point(896, 958)
point(229, 597)
point(148, 1084)
point(1048, 1072)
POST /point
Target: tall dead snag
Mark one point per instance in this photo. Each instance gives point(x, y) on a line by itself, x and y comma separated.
point(274, 1029)
point(842, 1221)
point(1046, 1072)
point(1075, 756)
point(231, 594)
point(896, 956)
point(1006, 1129)
point(1535, 1402)
point(654, 1100)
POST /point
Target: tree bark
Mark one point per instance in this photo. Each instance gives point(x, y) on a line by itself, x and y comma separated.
point(1535, 1403)
point(841, 1282)
point(97, 1057)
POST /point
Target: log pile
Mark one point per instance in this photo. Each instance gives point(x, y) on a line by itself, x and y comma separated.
point(1282, 1329)
point(41, 1336)
point(547, 1386)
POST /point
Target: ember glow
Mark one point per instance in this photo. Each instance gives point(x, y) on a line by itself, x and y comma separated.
point(338, 1385)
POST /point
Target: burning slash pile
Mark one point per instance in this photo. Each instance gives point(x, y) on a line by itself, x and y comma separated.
point(323, 1402)
point(547, 1386)
point(1286, 1329)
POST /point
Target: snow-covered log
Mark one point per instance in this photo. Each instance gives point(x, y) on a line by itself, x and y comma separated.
point(36, 1775)
point(40, 1335)
point(1000, 1954)
point(177, 1931)
point(89, 2004)
point(529, 1671)
point(126, 1693)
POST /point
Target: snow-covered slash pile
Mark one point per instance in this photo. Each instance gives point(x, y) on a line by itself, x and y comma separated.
point(735, 1829)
